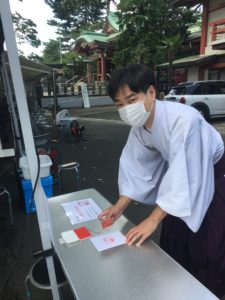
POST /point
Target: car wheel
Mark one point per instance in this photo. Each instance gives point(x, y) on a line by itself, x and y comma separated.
point(203, 111)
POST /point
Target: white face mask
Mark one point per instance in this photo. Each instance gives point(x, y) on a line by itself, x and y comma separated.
point(135, 114)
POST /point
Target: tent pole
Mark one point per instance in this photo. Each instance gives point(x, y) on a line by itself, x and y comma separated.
point(40, 198)
point(11, 104)
point(55, 105)
point(54, 94)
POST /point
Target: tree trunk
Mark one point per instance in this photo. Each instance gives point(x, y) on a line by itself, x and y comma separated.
point(170, 73)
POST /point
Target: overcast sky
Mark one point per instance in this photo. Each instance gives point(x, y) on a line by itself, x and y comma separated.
point(39, 12)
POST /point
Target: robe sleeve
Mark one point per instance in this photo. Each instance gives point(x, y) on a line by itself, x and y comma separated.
point(141, 170)
point(188, 185)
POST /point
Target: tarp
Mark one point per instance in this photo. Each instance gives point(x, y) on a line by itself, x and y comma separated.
point(31, 69)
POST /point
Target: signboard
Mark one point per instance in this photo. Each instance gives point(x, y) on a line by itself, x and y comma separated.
point(85, 95)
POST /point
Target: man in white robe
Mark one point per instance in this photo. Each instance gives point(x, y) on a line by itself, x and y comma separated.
point(175, 160)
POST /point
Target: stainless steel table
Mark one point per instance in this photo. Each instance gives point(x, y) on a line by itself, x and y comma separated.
point(124, 272)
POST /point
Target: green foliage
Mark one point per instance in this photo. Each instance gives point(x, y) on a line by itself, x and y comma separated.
point(71, 61)
point(73, 65)
point(36, 58)
point(51, 52)
point(25, 31)
point(144, 25)
point(76, 13)
point(170, 46)
point(72, 16)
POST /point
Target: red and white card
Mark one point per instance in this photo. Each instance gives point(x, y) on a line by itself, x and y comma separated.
point(75, 235)
point(82, 233)
point(109, 240)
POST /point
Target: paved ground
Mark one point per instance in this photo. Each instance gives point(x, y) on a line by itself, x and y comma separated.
point(98, 157)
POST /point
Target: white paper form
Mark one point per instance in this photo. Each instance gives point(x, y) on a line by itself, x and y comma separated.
point(109, 240)
point(81, 210)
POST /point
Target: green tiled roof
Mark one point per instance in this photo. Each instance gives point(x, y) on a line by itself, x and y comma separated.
point(112, 37)
point(102, 38)
point(113, 20)
point(91, 37)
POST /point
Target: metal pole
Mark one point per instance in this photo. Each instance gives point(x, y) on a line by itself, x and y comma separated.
point(54, 94)
point(40, 198)
point(60, 50)
point(55, 99)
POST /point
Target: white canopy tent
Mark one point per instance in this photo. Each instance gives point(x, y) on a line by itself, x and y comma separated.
point(30, 72)
point(39, 196)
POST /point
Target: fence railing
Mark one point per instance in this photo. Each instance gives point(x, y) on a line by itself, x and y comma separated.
point(96, 88)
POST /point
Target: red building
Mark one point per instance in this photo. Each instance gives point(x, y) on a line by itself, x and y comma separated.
point(97, 49)
point(209, 62)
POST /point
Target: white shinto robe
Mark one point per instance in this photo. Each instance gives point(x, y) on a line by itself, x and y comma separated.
point(172, 163)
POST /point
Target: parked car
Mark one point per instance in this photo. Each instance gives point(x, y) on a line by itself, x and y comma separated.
point(208, 97)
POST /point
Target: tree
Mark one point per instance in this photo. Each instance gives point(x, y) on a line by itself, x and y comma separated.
point(25, 31)
point(51, 52)
point(144, 24)
point(73, 65)
point(76, 13)
point(35, 57)
point(72, 16)
point(71, 62)
point(171, 45)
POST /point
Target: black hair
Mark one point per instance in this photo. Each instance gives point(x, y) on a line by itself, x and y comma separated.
point(138, 77)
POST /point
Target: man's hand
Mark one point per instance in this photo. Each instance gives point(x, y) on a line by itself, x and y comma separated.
point(141, 232)
point(116, 210)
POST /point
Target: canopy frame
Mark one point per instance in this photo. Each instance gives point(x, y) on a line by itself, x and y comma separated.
point(39, 195)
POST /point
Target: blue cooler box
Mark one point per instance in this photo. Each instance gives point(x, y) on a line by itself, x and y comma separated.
point(46, 183)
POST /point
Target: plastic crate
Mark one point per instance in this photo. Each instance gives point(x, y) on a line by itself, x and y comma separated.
point(27, 191)
point(45, 163)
